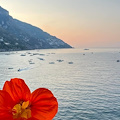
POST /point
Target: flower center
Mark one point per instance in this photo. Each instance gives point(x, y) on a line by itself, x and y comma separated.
point(21, 110)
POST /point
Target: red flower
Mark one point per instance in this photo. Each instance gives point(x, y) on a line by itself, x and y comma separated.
point(18, 103)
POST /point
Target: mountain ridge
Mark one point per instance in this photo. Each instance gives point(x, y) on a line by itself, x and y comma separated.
point(18, 35)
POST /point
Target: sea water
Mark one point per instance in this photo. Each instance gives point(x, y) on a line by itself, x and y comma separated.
point(86, 83)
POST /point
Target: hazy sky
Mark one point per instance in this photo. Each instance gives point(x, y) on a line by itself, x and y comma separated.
point(80, 23)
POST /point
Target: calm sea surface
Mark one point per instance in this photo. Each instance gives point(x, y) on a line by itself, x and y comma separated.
point(87, 88)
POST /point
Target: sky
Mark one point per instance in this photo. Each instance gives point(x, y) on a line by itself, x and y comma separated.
point(80, 23)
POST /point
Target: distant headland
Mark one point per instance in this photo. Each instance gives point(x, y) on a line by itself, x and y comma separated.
point(17, 35)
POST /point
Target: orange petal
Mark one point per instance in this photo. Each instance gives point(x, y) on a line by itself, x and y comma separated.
point(6, 105)
point(17, 89)
point(32, 118)
point(44, 105)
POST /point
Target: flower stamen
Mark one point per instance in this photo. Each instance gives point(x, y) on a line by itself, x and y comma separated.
point(21, 111)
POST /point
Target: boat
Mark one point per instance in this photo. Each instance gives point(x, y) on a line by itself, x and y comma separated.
point(10, 68)
point(60, 60)
point(41, 59)
point(31, 63)
point(23, 55)
point(118, 60)
point(86, 49)
point(51, 62)
point(70, 62)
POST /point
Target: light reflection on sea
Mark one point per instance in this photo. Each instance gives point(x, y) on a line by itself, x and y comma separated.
point(88, 89)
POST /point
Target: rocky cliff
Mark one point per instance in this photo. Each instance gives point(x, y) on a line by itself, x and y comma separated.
point(17, 35)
